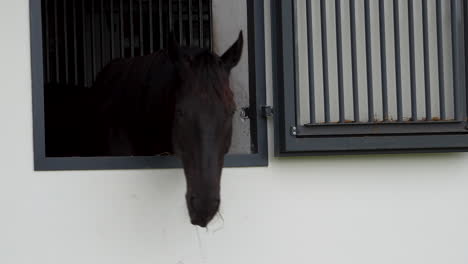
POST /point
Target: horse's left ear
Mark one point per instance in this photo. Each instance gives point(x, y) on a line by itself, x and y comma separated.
point(233, 55)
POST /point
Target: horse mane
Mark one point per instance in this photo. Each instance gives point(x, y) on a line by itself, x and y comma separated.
point(214, 79)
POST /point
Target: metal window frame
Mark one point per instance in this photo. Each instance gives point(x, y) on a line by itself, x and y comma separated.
point(294, 139)
point(256, 44)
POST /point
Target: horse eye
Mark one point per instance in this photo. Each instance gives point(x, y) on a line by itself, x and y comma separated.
point(179, 113)
point(229, 115)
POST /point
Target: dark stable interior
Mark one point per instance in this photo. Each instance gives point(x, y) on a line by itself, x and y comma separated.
point(80, 37)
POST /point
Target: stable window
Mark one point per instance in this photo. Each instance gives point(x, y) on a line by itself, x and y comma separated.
point(73, 40)
point(369, 76)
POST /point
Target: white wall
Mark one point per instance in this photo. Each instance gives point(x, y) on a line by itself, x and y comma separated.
point(369, 209)
point(229, 17)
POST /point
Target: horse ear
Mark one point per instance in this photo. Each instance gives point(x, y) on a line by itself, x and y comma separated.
point(173, 48)
point(233, 55)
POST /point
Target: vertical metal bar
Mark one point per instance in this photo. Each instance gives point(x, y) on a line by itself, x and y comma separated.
point(181, 33)
point(454, 58)
point(200, 21)
point(189, 11)
point(310, 53)
point(296, 61)
point(132, 34)
point(57, 66)
point(464, 27)
point(122, 36)
point(464, 71)
point(414, 107)
point(112, 29)
point(427, 69)
point(396, 21)
point(103, 47)
point(210, 21)
point(354, 61)
point(151, 33)
point(161, 32)
point(284, 59)
point(440, 59)
point(370, 91)
point(47, 40)
point(383, 55)
point(171, 24)
point(141, 28)
point(458, 59)
point(83, 17)
point(93, 46)
point(37, 79)
point(65, 36)
point(75, 45)
point(339, 45)
point(326, 93)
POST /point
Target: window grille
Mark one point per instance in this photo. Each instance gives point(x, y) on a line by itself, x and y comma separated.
point(82, 36)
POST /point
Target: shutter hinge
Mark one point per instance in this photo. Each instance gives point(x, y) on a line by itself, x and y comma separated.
point(267, 111)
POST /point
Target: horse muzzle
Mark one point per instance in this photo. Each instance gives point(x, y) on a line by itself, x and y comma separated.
point(202, 210)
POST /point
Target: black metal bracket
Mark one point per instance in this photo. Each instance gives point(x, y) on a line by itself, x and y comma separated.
point(249, 113)
point(267, 111)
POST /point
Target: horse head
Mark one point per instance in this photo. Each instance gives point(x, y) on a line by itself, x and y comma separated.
point(202, 126)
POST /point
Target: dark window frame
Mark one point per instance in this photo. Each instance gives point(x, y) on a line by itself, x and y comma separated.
point(293, 139)
point(256, 44)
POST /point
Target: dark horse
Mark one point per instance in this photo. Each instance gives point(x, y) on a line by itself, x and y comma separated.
point(173, 101)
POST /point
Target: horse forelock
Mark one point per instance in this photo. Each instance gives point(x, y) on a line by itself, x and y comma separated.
point(210, 79)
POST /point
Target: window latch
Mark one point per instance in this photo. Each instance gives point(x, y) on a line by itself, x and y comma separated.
point(249, 113)
point(246, 113)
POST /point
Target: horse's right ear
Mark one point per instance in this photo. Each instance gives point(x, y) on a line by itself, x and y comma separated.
point(233, 55)
point(173, 48)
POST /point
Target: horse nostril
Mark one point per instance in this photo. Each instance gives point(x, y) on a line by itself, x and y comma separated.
point(203, 204)
point(202, 210)
point(197, 204)
point(199, 223)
